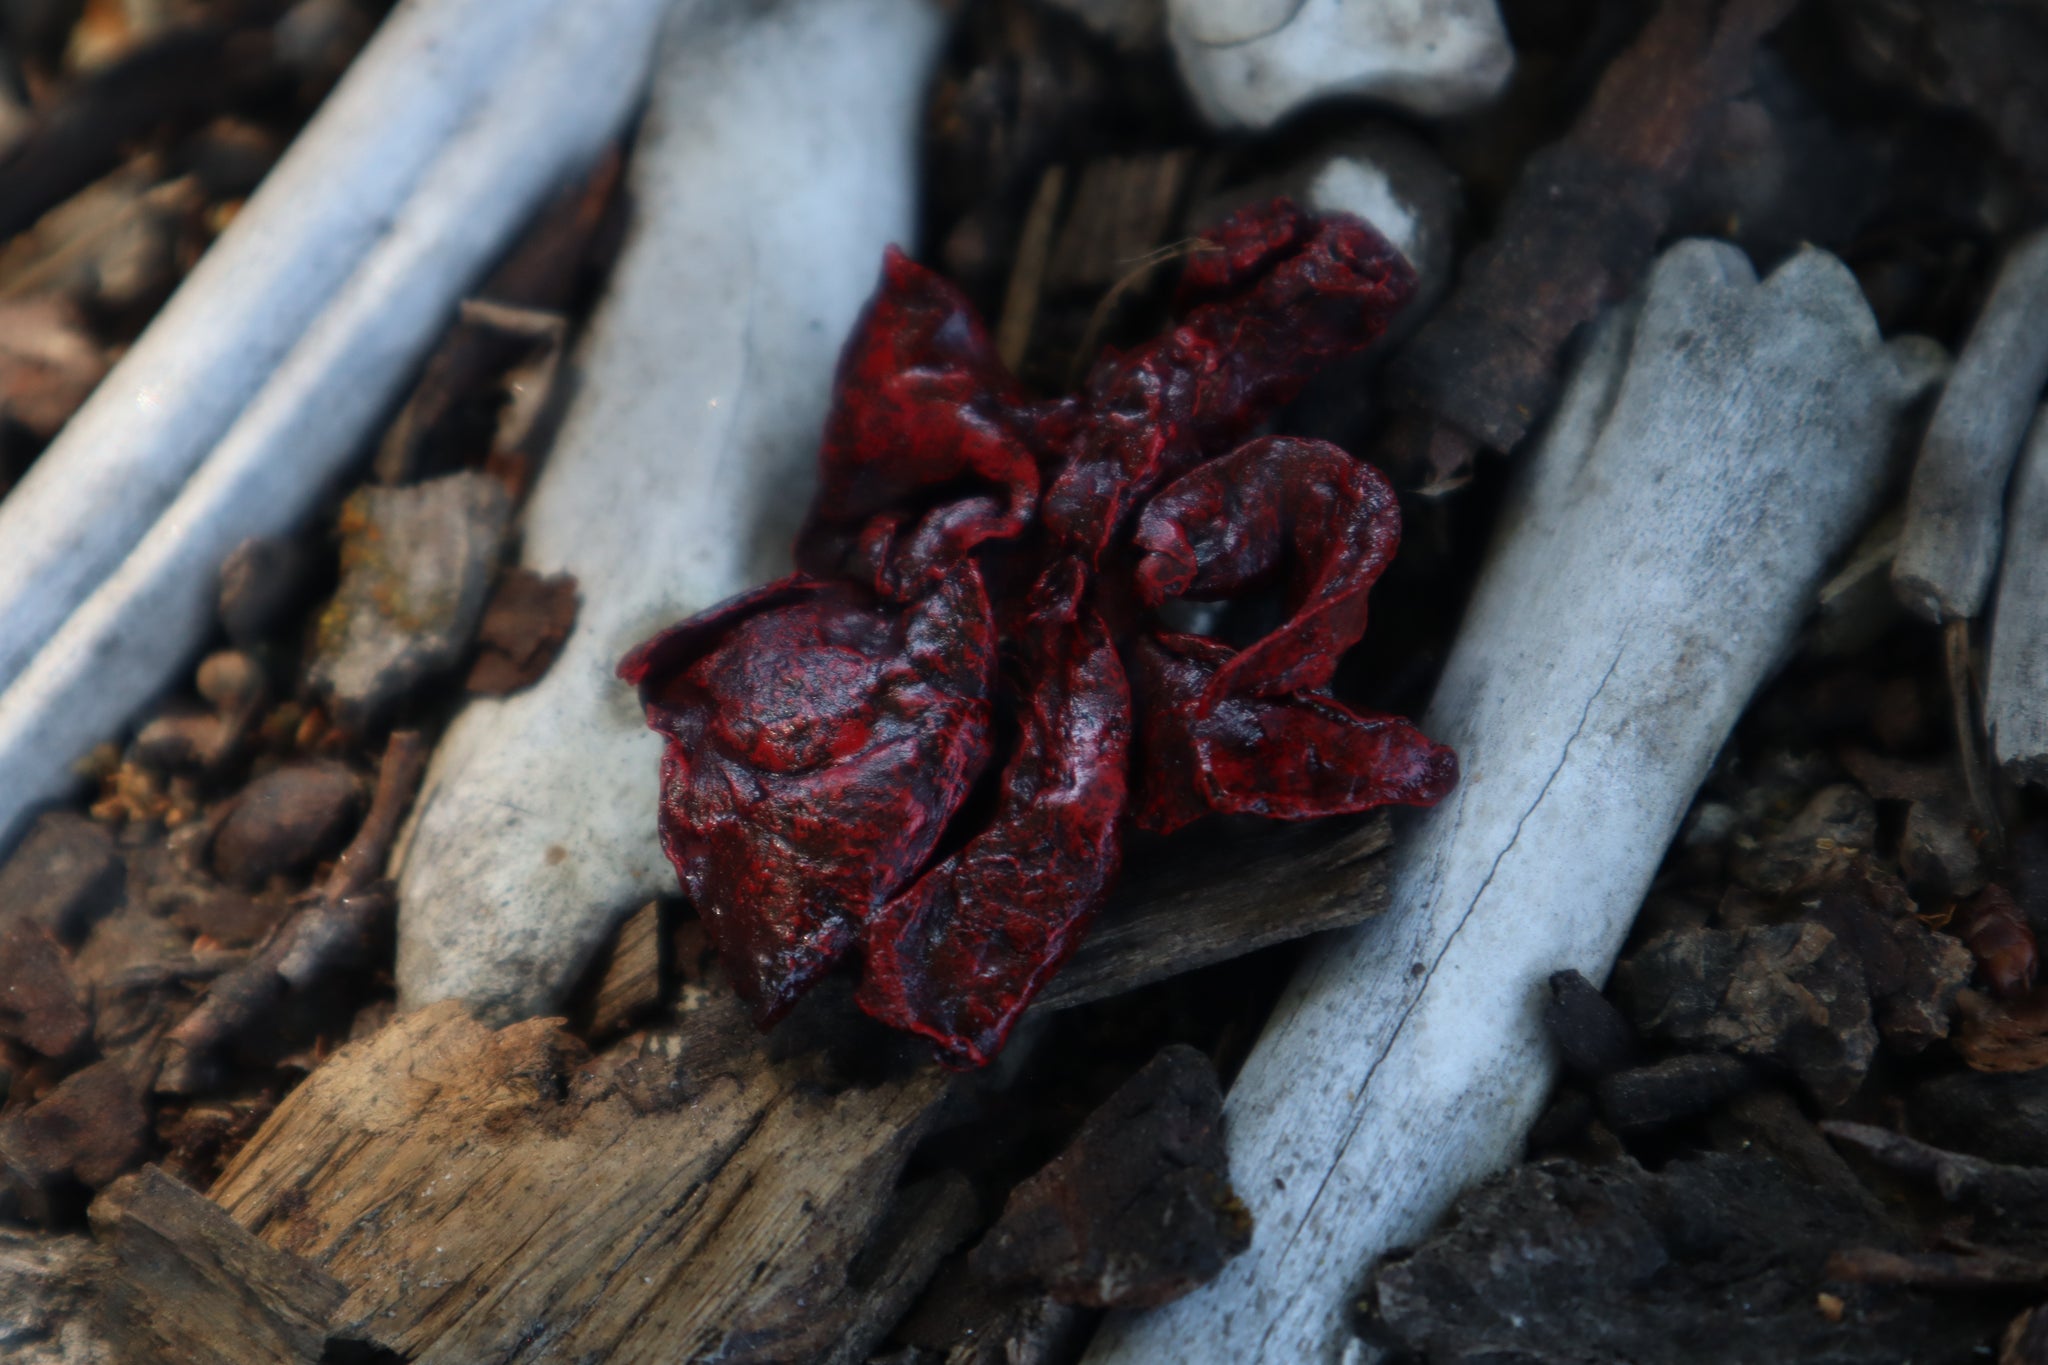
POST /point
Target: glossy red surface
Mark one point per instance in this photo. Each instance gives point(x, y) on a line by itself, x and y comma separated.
point(980, 577)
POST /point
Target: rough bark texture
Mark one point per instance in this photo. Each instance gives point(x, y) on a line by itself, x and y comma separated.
point(190, 1286)
point(1577, 233)
point(499, 1196)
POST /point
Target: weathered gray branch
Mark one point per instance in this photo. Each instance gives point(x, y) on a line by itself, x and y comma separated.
point(2016, 689)
point(1712, 452)
point(1955, 507)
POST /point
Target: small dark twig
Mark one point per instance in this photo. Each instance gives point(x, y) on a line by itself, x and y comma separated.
point(1965, 1273)
point(320, 933)
point(1962, 691)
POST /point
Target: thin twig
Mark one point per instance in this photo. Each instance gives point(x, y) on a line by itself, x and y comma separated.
point(1027, 276)
point(320, 933)
point(1139, 273)
point(1962, 691)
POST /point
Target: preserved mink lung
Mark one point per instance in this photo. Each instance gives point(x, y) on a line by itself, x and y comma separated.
point(977, 604)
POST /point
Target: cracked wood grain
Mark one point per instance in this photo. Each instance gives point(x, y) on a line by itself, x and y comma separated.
point(1717, 444)
point(489, 1196)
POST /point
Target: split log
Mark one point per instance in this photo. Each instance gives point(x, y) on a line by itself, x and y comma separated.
point(95, 491)
point(2016, 690)
point(1715, 447)
point(1948, 549)
point(548, 116)
point(774, 165)
point(490, 1197)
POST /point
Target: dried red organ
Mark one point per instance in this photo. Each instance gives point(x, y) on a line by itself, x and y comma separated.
point(977, 604)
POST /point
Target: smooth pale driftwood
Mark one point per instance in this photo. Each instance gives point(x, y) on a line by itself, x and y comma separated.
point(1712, 453)
point(1948, 550)
point(1251, 63)
point(2016, 688)
point(548, 115)
point(775, 164)
point(122, 458)
point(495, 1197)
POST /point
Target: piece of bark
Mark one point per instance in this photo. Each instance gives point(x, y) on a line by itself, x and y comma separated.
point(679, 476)
point(1791, 995)
point(1138, 1209)
point(525, 623)
point(39, 1003)
point(284, 820)
point(1913, 974)
point(1593, 1038)
point(1711, 1260)
point(694, 1201)
point(1663, 547)
point(112, 247)
point(416, 564)
point(1955, 507)
point(540, 273)
point(191, 1286)
point(49, 362)
point(182, 74)
point(2016, 682)
point(1577, 232)
point(1999, 1118)
point(547, 116)
point(65, 875)
point(89, 1129)
point(1215, 904)
point(628, 976)
point(1817, 846)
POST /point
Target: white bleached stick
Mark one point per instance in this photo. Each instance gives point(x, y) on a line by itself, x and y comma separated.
point(1711, 455)
point(550, 114)
point(2016, 685)
point(123, 456)
point(776, 162)
point(1948, 549)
